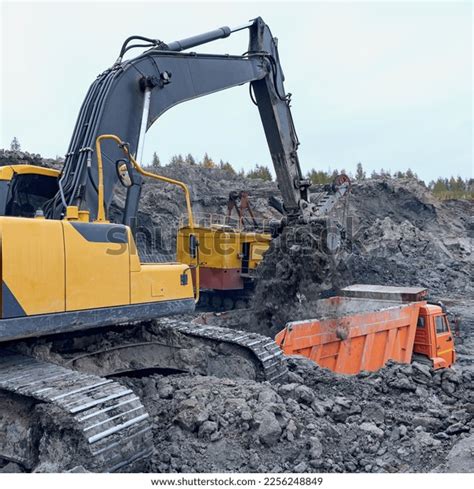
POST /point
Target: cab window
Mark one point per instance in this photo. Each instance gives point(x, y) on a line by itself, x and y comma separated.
point(441, 326)
point(28, 193)
point(421, 322)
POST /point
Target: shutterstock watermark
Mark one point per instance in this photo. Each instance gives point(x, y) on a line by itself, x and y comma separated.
point(333, 237)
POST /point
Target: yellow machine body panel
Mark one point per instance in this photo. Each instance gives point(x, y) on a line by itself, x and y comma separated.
point(32, 266)
point(97, 271)
point(221, 247)
point(50, 266)
point(258, 246)
point(160, 281)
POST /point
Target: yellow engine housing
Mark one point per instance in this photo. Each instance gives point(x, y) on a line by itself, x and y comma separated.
point(51, 267)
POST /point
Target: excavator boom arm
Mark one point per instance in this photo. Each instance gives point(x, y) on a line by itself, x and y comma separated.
point(130, 96)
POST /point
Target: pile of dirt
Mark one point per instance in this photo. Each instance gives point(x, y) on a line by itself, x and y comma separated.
point(297, 269)
point(402, 418)
point(403, 235)
point(13, 157)
point(397, 234)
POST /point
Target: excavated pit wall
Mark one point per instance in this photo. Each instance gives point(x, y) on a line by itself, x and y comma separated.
point(402, 418)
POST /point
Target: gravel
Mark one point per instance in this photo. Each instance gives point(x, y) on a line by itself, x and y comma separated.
point(320, 421)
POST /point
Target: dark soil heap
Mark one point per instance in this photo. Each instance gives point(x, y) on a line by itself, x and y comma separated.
point(297, 269)
point(397, 234)
point(402, 418)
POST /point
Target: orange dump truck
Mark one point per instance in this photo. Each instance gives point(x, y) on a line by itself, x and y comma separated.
point(368, 325)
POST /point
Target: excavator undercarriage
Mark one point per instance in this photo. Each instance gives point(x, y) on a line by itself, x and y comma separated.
point(74, 379)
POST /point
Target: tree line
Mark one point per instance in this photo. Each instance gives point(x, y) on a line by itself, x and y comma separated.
point(321, 177)
point(259, 171)
point(443, 188)
point(453, 188)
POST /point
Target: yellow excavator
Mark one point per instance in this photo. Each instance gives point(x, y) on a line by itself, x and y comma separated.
point(71, 276)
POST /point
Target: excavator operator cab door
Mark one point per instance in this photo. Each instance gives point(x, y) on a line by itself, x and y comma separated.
point(444, 342)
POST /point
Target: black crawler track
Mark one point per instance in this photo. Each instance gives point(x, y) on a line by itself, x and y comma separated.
point(269, 356)
point(114, 427)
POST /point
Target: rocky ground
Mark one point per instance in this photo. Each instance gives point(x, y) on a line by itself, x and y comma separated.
point(404, 418)
point(401, 419)
point(11, 157)
point(398, 235)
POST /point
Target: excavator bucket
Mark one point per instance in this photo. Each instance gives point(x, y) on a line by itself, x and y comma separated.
point(354, 334)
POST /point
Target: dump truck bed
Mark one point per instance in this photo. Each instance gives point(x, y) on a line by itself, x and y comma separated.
point(353, 334)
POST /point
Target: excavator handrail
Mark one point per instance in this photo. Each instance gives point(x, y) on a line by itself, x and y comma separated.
point(140, 170)
point(223, 221)
point(100, 204)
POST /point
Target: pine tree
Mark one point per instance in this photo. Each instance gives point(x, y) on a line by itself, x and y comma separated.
point(453, 188)
point(15, 144)
point(360, 173)
point(176, 160)
point(226, 167)
point(189, 160)
point(260, 171)
point(460, 185)
point(207, 162)
point(155, 162)
point(439, 188)
point(319, 177)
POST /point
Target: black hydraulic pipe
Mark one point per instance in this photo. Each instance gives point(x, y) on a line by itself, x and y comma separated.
point(193, 41)
point(204, 38)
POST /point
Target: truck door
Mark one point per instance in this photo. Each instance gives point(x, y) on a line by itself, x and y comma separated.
point(444, 340)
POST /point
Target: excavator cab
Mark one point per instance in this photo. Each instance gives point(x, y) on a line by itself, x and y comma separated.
point(24, 189)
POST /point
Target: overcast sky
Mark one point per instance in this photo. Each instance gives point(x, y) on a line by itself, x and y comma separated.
point(387, 84)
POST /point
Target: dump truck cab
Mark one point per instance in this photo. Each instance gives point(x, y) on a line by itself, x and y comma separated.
point(25, 188)
point(433, 337)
